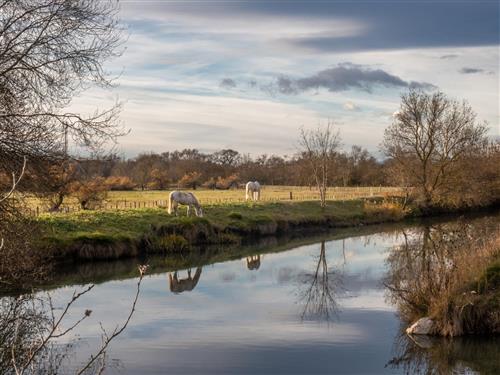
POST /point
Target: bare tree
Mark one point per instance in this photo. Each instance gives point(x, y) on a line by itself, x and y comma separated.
point(18, 263)
point(319, 290)
point(51, 51)
point(429, 137)
point(319, 147)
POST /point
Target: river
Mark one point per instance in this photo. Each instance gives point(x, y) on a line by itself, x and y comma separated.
point(302, 306)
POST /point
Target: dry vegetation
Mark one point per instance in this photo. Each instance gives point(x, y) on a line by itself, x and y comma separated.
point(450, 273)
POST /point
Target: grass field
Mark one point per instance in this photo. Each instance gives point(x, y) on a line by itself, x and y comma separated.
point(116, 225)
point(158, 198)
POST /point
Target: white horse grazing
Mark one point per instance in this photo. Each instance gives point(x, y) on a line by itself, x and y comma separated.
point(253, 187)
point(188, 199)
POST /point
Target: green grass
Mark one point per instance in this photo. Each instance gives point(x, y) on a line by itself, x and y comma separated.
point(134, 199)
point(133, 223)
point(221, 224)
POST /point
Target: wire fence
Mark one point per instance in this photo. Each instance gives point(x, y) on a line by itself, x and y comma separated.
point(237, 196)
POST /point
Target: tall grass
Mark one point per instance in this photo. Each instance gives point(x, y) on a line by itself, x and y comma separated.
point(449, 273)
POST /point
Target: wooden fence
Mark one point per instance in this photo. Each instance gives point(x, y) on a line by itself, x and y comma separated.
point(293, 193)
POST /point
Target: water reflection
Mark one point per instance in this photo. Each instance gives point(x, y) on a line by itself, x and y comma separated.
point(318, 290)
point(434, 265)
point(186, 284)
point(428, 355)
point(271, 321)
point(38, 336)
point(253, 262)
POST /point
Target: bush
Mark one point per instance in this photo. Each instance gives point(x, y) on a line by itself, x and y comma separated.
point(229, 182)
point(159, 179)
point(89, 192)
point(210, 183)
point(119, 183)
point(386, 210)
point(450, 274)
point(190, 180)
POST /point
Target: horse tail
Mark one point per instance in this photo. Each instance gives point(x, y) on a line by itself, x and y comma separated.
point(170, 203)
point(247, 186)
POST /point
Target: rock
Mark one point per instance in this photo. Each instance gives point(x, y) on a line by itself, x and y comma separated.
point(423, 326)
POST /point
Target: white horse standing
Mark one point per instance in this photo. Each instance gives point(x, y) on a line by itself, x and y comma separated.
point(253, 187)
point(188, 199)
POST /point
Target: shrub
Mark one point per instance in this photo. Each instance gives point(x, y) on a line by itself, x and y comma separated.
point(159, 179)
point(190, 180)
point(449, 273)
point(89, 192)
point(120, 183)
point(229, 182)
point(211, 183)
point(384, 210)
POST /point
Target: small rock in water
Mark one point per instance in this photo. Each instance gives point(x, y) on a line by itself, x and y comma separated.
point(423, 326)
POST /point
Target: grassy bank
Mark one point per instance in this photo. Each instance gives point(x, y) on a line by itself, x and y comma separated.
point(98, 272)
point(448, 279)
point(121, 233)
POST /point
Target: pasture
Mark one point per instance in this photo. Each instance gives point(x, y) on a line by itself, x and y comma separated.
point(135, 199)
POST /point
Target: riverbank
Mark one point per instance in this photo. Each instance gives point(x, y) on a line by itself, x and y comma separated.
point(449, 273)
point(446, 281)
point(98, 235)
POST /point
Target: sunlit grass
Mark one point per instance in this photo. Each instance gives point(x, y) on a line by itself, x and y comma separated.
point(136, 199)
point(132, 224)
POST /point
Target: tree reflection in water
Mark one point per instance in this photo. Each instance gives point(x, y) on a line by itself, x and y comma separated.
point(436, 264)
point(434, 272)
point(426, 355)
point(318, 290)
point(31, 327)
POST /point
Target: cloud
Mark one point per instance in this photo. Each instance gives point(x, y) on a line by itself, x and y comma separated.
point(328, 25)
point(350, 106)
point(227, 83)
point(344, 77)
point(467, 70)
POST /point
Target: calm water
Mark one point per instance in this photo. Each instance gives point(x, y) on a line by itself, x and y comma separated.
point(316, 308)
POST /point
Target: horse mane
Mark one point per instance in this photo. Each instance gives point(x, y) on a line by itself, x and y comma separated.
point(194, 198)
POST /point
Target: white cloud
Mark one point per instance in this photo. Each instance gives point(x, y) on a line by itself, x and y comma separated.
point(175, 61)
point(350, 106)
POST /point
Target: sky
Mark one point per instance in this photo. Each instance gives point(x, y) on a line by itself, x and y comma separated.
point(248, 75)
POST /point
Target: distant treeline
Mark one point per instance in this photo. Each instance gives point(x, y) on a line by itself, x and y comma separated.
point(226, 168)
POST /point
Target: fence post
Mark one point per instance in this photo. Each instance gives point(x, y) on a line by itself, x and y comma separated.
point(37, 211)
point(291, 196)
